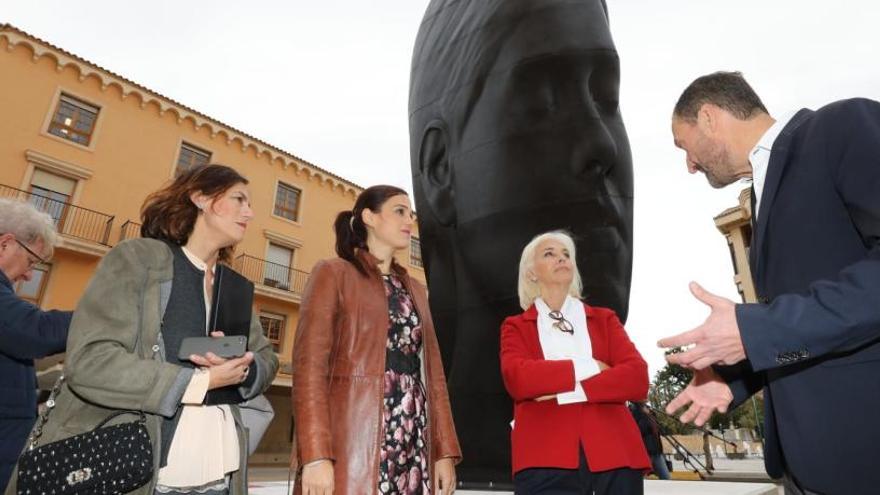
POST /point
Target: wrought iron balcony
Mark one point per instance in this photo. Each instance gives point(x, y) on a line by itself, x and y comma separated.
point(129, 230)
point(70, 220)
point(270, 274)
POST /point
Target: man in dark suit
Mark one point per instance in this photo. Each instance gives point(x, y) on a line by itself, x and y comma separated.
point(813, 340)
point(27, 238)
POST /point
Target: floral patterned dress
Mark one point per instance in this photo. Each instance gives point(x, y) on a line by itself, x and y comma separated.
point(403, 459)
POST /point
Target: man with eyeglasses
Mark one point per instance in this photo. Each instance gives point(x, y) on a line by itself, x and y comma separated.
point(27, 238)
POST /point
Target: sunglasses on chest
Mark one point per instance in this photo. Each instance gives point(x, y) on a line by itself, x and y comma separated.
point(560, 323)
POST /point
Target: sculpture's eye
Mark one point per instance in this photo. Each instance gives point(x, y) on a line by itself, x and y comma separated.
point(533, 92)
point(604, 83)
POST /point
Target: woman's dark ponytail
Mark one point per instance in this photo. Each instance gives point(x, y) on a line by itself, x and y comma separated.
point(351, 233)
point(348, 238)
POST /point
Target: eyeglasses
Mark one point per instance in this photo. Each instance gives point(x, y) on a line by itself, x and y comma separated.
point(560, 323)
point(31, 261)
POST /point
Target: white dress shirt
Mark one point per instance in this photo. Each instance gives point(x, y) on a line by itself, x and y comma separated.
point(759, 157)
point(558, 345)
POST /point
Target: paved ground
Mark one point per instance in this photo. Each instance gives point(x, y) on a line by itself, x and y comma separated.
point(750, 465)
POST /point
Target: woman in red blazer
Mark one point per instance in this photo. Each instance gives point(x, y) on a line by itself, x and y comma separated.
point(570, 368)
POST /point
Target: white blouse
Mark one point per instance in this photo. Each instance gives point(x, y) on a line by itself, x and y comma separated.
point(558, 345)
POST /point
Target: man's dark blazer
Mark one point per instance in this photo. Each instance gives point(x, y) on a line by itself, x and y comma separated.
point(813, 341)
point(26, 333)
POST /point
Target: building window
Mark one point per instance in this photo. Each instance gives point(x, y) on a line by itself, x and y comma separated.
point(32, 290)
point(51, 193)
point(74, 120)
point(415, 252)
point(273, 328)
point(276, 272)
point(287, 202)
point(191, 157)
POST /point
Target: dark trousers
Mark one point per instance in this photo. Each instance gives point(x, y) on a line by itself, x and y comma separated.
point(580, 481)
point(13, 435)
point(6, 468)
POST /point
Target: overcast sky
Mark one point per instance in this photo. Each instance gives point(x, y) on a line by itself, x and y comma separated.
point(328, 80)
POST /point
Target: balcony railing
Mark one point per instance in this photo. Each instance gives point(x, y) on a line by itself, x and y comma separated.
point(271, 274)
point(129, 230)
point(415, 252)
point(70, 220)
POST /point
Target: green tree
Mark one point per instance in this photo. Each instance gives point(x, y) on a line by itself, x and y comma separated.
point(672, 379)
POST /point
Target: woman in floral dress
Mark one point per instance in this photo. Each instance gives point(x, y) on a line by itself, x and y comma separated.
point(370, 405)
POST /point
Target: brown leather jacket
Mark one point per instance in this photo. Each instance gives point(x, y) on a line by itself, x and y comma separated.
point(338, 374)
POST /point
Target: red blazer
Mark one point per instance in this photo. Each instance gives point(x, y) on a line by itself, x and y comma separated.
point(546, 434)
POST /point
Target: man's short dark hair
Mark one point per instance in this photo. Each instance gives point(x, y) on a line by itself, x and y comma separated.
point(728, 90)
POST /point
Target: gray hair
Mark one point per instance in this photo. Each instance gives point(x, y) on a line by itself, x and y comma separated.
point(27, 223)
point(528, 290)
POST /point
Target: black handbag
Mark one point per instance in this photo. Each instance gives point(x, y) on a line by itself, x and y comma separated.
point(106, 460)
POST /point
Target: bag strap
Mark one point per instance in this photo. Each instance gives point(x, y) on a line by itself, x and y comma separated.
point(37, 432)
point(44, 416)
point(141, 419)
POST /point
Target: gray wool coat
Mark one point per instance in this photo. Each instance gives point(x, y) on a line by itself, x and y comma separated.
point(115, 356)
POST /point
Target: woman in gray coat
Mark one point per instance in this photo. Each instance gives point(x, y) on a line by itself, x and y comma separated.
point(148, 295)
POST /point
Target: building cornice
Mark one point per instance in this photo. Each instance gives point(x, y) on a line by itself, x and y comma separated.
point(282, 239)
point(735, 216)
point(58, 166)
point(63, 59)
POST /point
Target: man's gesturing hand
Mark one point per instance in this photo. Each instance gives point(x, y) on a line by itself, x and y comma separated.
point(716, 341)
point(706, 393)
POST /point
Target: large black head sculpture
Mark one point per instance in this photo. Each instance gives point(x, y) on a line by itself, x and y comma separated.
point(515, 130)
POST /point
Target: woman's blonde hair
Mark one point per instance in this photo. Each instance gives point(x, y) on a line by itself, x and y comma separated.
point(529, 290)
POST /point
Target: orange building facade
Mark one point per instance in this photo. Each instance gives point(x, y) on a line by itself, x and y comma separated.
point(87, 146)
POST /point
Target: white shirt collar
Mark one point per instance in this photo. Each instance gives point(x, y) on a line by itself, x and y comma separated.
point(759, 157)
point(195, 260)
point(568, 306)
